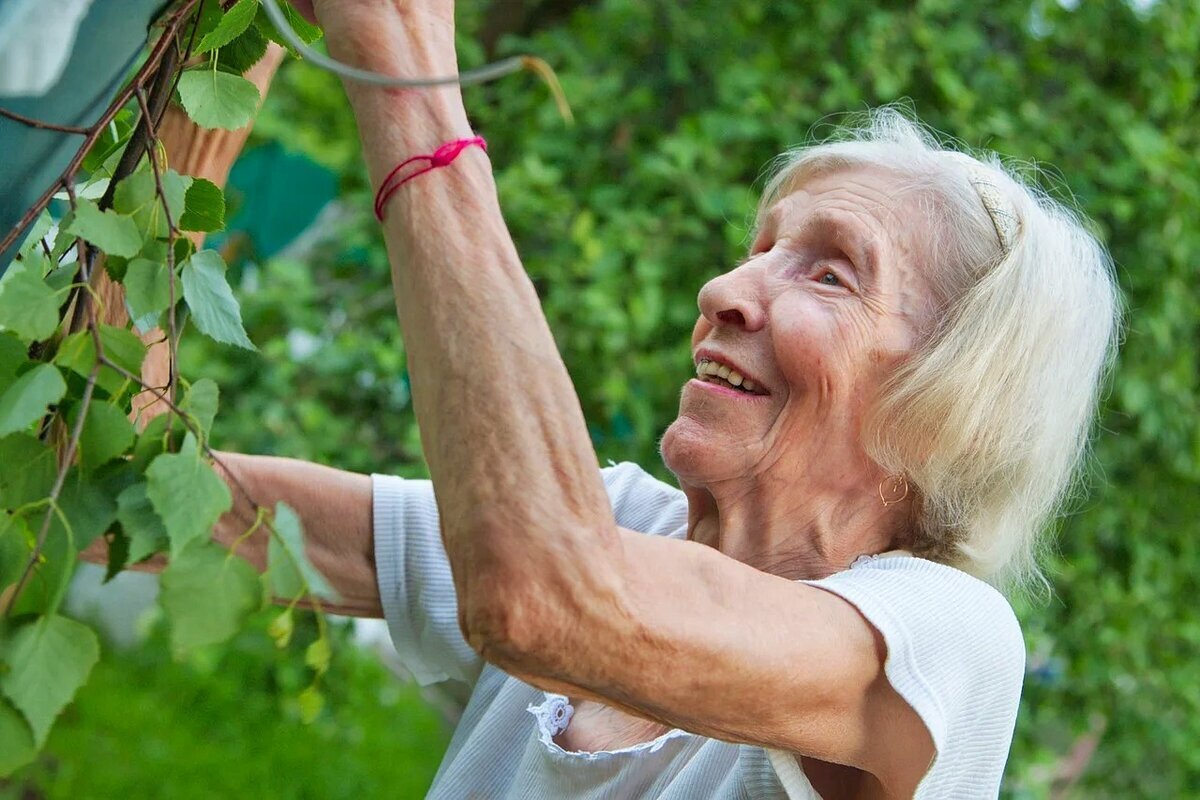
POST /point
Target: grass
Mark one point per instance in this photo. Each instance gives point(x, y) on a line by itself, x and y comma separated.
point(224, 723)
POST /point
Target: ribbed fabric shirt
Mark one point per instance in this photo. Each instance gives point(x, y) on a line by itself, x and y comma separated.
point(955, 653)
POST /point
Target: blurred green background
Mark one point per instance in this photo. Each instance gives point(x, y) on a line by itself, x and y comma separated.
point(620, 219)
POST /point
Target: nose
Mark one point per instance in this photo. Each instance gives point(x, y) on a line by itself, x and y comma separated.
point(734, 299)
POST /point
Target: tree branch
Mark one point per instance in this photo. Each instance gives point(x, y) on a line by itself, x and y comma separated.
point(42, 124)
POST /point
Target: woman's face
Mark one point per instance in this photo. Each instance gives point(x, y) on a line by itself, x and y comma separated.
point(829, 301)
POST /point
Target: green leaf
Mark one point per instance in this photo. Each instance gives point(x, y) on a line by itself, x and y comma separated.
point(41, 226)
point(281, 628)
point(27, 470)
point(204, 207)
point(208, 19)
point(118, 555)
point(121, 346)
point(243, 52)
point(142, 525)
point(85, 510)
point(311, 701)
point(155, 440)
point(207, 593)
point(147, 292)
point(214, 308)
point(28, 307)
point(30, 395)
point(15, 537)
point(107, 433)
point(307, 32)
point(288, 565)
point(187, 493)
point(317, 654)
point(137, 197)
point(240, 55)
point(12, 358)
point(16, 740)
point(215, 99)
point(232, 24)
point(108, 230)
point(89, 507)
point(201, 403)
point(48, 661)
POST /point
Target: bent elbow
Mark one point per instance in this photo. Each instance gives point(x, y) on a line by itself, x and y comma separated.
point(504, 621)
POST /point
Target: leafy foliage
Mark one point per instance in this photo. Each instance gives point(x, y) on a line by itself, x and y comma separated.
point(73, 465)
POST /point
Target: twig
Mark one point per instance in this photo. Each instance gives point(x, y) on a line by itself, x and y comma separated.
point(147, 125)
point(152, 62)
point(187, 422)
point(172, 233)
point(42, 124)
point(160, 93)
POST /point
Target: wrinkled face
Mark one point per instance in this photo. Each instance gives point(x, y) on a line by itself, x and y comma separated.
point(829, 301)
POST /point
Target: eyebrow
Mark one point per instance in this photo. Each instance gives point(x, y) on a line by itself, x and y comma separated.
point(860, 248)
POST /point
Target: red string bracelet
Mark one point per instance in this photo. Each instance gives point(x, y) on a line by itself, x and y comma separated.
point(439, 158)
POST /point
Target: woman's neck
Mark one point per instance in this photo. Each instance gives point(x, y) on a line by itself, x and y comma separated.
point(776, 529)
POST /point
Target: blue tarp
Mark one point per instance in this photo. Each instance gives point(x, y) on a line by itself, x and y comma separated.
point(109, 40)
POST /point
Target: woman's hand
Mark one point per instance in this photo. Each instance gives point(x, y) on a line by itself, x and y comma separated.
point(334, 507)
point(385, 34)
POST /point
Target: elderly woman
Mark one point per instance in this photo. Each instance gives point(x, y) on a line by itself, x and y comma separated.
point(891, 394)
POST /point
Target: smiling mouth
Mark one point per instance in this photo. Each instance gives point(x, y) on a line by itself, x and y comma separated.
point(711, 372)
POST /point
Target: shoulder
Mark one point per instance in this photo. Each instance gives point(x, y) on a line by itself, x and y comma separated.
point(955, 651)
point(642, 502)
point(916, 593)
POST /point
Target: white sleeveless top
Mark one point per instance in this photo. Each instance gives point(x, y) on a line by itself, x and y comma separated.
point(955, 654)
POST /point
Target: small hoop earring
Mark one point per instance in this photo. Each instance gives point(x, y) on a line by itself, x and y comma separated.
point(899, 486)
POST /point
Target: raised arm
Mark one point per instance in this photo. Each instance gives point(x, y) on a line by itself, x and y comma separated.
point(501, 426)
point(334, 507)
point(549, 587)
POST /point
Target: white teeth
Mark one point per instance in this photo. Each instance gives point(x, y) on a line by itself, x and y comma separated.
point(735, 378)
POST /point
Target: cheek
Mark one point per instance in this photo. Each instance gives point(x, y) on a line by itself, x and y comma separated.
point(808, 340)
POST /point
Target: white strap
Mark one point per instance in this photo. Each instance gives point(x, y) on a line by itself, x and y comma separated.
point(795, 782)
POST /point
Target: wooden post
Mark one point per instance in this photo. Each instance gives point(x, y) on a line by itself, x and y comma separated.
point(191, 150)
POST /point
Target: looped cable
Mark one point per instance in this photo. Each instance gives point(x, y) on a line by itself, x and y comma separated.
point(485, 73)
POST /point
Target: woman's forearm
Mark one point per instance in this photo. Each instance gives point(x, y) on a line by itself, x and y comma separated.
point(515, 474)
point(334, 507)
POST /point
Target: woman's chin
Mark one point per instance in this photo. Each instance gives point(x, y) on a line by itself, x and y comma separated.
point(692, 453)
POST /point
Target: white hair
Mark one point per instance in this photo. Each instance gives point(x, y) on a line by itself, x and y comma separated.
point(989, 419)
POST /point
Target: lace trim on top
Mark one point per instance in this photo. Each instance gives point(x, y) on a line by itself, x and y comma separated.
point(868, 558)
point(553, 717)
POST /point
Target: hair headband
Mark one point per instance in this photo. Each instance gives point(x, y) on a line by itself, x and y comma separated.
point(999, 209)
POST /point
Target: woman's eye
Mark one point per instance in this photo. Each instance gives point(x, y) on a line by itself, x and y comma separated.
point(829, 279)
